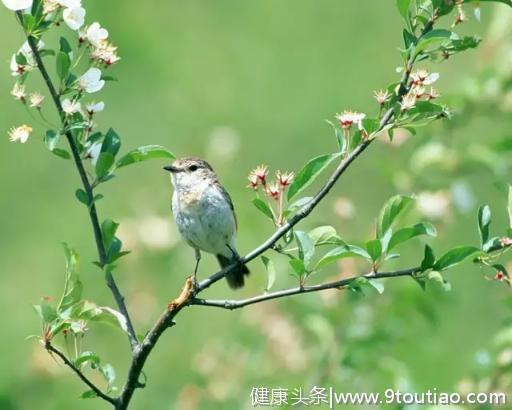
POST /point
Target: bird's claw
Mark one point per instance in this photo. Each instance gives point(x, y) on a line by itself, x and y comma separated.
point(186, 294)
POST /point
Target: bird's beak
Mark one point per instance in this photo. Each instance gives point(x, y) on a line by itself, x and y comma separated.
point(170, 168)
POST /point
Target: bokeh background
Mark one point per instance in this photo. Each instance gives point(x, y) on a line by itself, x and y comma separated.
point(241, 83)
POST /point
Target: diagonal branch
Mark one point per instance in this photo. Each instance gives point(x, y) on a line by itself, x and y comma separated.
point(166, 319)
point(93, 214)
point(53, 350)
point(339, 284)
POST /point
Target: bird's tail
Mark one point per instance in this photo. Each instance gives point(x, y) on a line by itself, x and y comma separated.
point(235, 278)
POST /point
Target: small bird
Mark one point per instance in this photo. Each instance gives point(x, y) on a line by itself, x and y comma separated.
point(205, 215)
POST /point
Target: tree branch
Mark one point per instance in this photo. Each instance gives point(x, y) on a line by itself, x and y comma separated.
point(51, 349)
point(93, 214)
point(339, 284)
point(166, 319)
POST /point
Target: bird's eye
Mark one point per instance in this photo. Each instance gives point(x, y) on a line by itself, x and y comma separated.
point(192, 168)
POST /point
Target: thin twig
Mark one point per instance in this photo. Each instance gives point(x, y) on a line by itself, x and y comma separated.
point(93, 214)
point(92, 386)
point(339, 284)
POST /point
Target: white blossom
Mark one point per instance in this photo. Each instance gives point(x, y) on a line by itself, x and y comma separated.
point(408, 102)
point(96, 35)
point(70, 4)
point(49, 6)
point(18, 92)
point(105, 53)
point(20, 134)
point(36, 100)
point(93, 152)
point(16, 5)
point(74, 17)
point(347, 118)
point(91, 81)
point(70, 107)
point(423, 77)
point(18, 69)
point(93, 107)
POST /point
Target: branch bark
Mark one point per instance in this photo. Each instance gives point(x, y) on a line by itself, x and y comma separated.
point(91, 385)
point(339, 284)
point(93, 213)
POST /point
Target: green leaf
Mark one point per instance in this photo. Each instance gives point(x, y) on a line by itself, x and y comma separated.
point(443, 7)
point(63, 65)
point(403, 8)
point(111, 317)
point(492, 245)
point(310, 172)
point(81, 195)
point(104, 164)
point(409, 39)
point(64, 46)
point(359, 284)
point(87, 357)
point(306, 246)
point(263, 207)
point(144, 153)
point(89, 394)
point(271, 272)
point(340, 252)
point(109, 374)
point(377, 285)
point(51, 139)
point(46, 312)
point(325, 235)
point(390, 211)
point(436, 276)
point(297, 205)
point(404, 234)
point(340, 137)
point(428, 259)
point(298, 266)
point(433, 39)
point(111, 142)
point(108, 230)
point(61, 153)
point(72, 286)
point(114, 252)
point(454, 257)
point(484, 220)
point(374, 248)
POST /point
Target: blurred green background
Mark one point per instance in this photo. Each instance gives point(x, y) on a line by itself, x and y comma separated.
point(241, 83)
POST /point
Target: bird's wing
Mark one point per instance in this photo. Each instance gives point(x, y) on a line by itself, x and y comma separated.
point(230, 202)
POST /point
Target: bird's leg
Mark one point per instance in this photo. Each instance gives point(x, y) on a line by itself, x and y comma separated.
point(233, 251)
point(198, 259)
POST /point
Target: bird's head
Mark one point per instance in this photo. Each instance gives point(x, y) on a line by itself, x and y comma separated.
point(189, 171)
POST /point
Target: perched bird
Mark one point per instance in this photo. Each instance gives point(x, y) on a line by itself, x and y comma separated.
point(205, 215)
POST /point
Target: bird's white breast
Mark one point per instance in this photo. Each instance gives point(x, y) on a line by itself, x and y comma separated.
point(204, 218)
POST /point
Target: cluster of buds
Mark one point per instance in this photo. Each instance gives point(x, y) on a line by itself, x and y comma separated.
point(35, 100)
point(102, 51)
point(419, 80)
point(272, 189)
